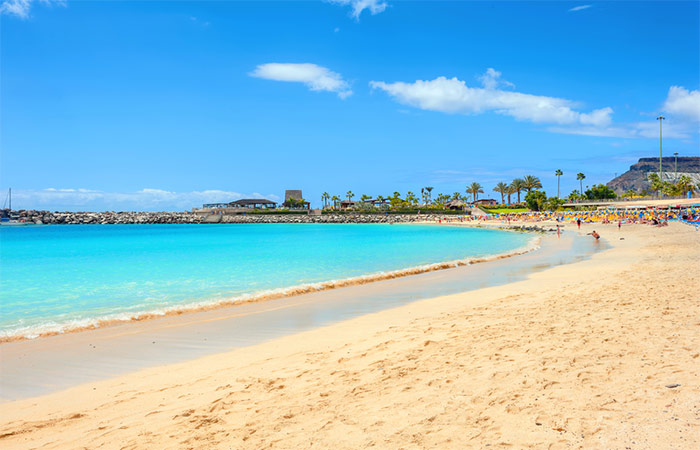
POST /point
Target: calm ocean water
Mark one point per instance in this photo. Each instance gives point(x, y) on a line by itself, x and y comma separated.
point(61, 277)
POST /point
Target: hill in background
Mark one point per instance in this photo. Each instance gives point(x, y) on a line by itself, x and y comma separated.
point(637, 178)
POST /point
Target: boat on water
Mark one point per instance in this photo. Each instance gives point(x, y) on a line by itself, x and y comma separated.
point(9, 218)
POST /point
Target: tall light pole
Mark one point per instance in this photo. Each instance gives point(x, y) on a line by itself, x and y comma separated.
point(660, 119)
point(676, 170)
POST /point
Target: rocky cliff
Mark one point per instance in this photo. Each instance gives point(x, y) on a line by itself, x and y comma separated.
point(637, 177)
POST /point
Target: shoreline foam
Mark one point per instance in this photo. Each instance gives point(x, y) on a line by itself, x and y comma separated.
point(80, 325)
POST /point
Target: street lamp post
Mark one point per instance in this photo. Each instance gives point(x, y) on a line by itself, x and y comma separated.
point(660, 119)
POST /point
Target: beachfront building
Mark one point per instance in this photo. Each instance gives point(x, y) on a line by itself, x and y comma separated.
point(348, 204)
point(457, 205)
point(254, 203)
point(486, 202)
point(238, 207)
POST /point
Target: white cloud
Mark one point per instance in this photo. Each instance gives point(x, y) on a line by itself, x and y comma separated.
point(316, 78)
point(491, 79)
point(374, 6)
point(682, 102)
point(580, 8)
point(451, 95)
point(21, 8)
point(70, 199)
point(649, 130)
point(682, 109)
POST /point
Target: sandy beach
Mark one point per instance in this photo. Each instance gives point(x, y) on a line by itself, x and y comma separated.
point(601, 353)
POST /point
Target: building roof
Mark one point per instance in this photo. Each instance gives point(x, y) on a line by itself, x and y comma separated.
point(252, 201)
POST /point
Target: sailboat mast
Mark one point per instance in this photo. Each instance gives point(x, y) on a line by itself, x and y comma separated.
point(10, 199)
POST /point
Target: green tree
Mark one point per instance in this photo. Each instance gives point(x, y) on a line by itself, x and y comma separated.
point(553, 203)
point(429, 190)
point(630, 193)
point(575, 195)
point(600, 192)
point(475, 189)
point(536, 200)
point(502, 189)
point(411, 198)
point(395, 200)
point(531, 182)
point(324, 198)
point(518, 186)
point(580, 177)
point(558, 173)
point(685, 185)
point(349, 195)
point(441, 199)
point(335, 199)
point(655, 182)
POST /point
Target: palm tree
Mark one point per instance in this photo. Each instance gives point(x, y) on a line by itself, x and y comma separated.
point(429, 190)
point(335, 199)
point(558, 173)
point(531, 182)
point(475, 189)
point(518, 185)
point(380, 200)
point(684, 185)
point(580, 177)
point(349, 195)
point(324, 198)
point(365, 197)
point(411, 198)
point(509, 192)
point(502, 189)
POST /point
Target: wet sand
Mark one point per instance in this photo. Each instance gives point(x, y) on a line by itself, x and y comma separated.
point(601, 353)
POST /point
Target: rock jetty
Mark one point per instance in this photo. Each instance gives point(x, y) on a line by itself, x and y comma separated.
point(105, 218)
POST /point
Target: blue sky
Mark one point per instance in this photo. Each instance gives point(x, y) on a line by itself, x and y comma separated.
point(159, 105)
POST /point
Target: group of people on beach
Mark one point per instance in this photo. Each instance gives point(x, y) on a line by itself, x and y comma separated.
point(658, 217)
point(649, 216)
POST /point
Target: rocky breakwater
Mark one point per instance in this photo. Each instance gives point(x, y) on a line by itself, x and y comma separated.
point(104, 218)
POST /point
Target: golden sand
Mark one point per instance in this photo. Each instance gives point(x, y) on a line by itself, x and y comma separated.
point(603, 353)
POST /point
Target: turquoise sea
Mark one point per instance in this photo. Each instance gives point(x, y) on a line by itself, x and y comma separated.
point(55, 278)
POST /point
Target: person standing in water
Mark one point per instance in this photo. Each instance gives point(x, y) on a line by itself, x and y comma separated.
point(594, 234)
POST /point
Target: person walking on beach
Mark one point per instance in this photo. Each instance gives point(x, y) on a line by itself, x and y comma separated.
point(578, 222)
